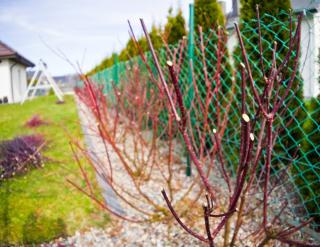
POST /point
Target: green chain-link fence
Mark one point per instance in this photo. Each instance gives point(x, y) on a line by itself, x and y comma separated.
point(301, 181)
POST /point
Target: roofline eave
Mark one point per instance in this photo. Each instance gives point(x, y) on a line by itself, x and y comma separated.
point(20, 59)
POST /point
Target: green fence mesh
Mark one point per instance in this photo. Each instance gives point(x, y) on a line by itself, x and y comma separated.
point(301, 181)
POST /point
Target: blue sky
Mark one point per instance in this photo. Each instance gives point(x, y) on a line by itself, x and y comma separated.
point(85, 30)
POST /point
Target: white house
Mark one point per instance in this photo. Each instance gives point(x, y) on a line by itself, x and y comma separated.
point(310, 41)
point(13, 76)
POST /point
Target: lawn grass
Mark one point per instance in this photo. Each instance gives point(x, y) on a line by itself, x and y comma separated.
point(41, 205)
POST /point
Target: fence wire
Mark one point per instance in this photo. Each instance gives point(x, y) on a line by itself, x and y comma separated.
point(301, 180)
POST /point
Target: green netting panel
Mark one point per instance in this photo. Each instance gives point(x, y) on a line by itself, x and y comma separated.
point(301, 181)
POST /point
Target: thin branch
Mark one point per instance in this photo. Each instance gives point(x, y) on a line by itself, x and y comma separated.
point(175, 215)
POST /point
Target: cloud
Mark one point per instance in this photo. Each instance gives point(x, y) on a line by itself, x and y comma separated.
point(99, 26)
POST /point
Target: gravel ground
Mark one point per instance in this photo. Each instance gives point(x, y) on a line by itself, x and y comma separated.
point(124, 233)
point(131, 235)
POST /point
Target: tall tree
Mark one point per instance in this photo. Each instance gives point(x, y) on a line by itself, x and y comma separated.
point(175, 27)
point(276, 29)
point(274, 7)
point(277, 8)
point(311, 149)
point(155, 36)
point(307, 175)
point(211, 47)
point(273, 32)
point(248, 16)
point(208, 14)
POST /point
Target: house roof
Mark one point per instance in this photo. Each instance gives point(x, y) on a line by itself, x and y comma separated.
point(7, 52)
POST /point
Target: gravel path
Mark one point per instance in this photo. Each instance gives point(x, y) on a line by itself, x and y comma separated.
point(124, 233)
point(119, 232)
point(93, 143)
point(131, 235)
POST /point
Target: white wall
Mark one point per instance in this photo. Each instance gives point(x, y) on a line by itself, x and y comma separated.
point(5, 90)
point(19, 80)
point(309, 64)
point(317, 53)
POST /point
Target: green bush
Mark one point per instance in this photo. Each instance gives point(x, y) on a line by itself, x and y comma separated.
point(307, 175)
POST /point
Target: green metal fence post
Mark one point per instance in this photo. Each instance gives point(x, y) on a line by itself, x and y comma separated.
point(190, 57)
point(116, 70)
point(191, 39)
